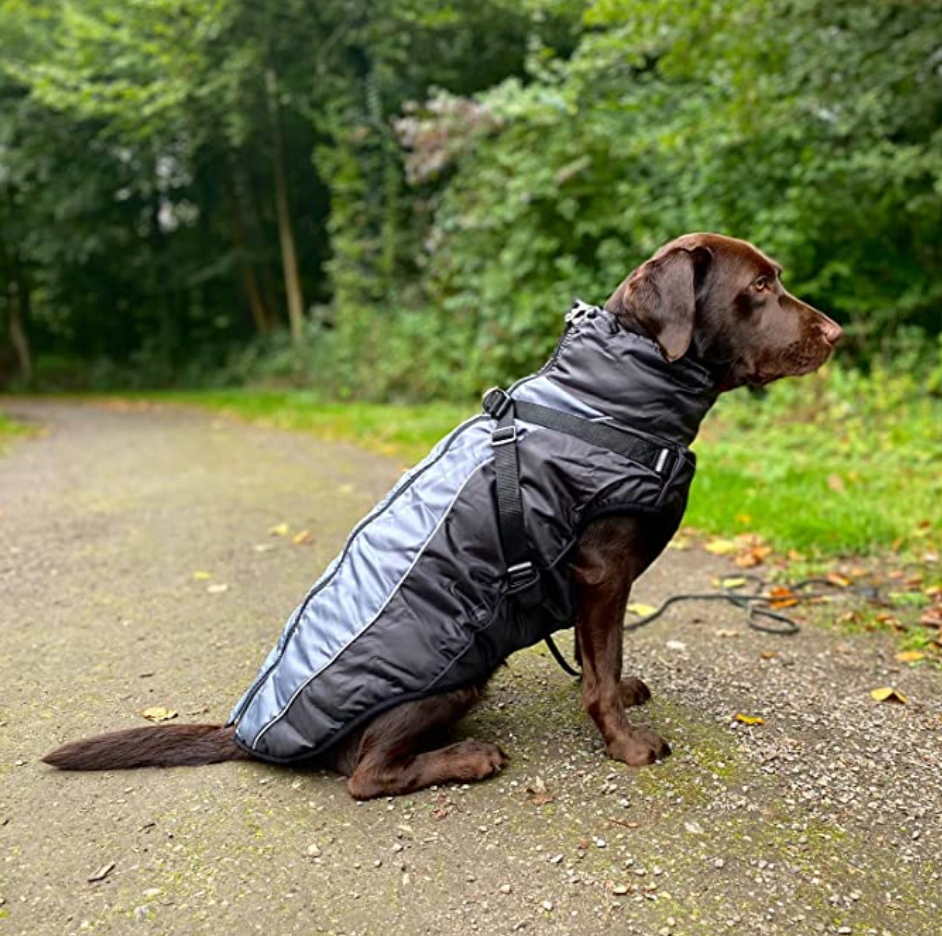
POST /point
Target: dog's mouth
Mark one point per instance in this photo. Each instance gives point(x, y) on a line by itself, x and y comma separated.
point(799, 360)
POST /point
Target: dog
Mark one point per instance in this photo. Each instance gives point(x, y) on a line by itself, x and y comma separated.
point(709, 306)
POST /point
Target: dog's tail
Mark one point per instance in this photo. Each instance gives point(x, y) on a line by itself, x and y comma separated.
point(155, 746)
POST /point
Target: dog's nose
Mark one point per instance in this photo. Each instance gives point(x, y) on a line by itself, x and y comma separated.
point(831, 331)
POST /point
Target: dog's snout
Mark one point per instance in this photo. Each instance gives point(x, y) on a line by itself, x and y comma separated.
point(830, 330)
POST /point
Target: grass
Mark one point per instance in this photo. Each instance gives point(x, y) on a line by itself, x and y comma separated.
point(834, 464)
point(9, 429)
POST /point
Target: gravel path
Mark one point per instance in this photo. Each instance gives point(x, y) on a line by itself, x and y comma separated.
point(825, 819)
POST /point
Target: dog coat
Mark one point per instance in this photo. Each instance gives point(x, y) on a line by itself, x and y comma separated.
point(466, 559)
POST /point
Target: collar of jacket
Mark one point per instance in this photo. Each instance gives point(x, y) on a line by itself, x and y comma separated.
point(625, 376)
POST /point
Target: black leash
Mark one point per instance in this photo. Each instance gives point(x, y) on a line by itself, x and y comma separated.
point(754, 604)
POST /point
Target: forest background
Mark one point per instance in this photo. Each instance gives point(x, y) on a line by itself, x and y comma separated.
point(394, 201)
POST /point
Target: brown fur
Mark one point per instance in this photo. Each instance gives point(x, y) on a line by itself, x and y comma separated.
point(718, 296)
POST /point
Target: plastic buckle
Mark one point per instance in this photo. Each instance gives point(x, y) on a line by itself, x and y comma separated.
point(521, 576)
point(664, 460)
point(496, 401)
point(579, 312)
point(506, 435)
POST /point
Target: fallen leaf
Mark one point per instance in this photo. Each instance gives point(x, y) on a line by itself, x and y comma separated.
point(159, 714)
point(202, 576)
point(217, 589)
point(642, 610)
point(541, 796)
point(769, 654)
point(838, 580)
point(749, 719)
point(752, 556)
point(721, 547)
point(888, 694)
point(932, 616)
point(280, 529)
point(735, 581)
point(102, 872)
point(780, 603)
point(910, 656)
point(835, 483)
point(299, 539)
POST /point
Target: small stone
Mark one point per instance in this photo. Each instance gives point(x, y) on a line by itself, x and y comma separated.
point(505, 889)
point(398, 847)
point(844, 930)
point(719, 863)
point(313, 851)
point(556, 859)
point(619, 889)
point(694, 828)
point(547, 905)
point(150, 892)
point(378, 863)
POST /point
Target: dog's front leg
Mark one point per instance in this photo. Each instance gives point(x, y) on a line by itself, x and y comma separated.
point(603, 572)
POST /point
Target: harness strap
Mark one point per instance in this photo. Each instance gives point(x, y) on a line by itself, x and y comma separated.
point(624, 442)
point(522, 576)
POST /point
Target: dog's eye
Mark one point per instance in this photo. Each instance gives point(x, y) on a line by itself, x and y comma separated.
point(762, 284)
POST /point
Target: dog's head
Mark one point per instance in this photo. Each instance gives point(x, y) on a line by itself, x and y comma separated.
point(723, 299)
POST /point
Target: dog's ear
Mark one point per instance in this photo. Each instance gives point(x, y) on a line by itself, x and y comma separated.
point(661, 297)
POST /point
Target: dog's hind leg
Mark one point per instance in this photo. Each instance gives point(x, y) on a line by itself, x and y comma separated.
point(390, 759)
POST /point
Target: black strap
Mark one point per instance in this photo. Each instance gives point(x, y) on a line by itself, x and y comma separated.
point(522, 575)
point(624, 442)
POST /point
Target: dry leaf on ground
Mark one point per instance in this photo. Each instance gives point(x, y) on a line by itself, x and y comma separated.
point(889, 694)
point(749, 719)
point(157, 713)
point(721, 547)
point(280, 529)
point(910, 656)
point(642, 610)
point(302, 538)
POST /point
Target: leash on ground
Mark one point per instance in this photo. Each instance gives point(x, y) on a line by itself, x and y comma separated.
point(757, 604)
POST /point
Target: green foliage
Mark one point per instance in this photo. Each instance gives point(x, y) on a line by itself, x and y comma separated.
point(812, 129)
point(453, 172)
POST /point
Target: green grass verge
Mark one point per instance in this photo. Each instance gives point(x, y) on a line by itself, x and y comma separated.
point(832, 464)
point(9, 429)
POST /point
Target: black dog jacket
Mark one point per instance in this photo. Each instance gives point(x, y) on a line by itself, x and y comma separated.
point(466, 560)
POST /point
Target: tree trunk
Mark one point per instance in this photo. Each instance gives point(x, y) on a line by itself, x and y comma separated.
point(19, 313)
point(289, 256)
point(253, 293)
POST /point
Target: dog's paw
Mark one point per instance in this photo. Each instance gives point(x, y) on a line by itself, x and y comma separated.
point(476, 760)
point(633, 691)
point(641, 747)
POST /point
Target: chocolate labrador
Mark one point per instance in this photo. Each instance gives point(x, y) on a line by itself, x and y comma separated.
point(715, 300)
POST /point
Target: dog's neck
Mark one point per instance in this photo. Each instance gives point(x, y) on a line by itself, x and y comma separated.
point(625, 376)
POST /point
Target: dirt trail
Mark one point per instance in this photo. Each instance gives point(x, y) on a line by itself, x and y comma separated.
point(825, 819)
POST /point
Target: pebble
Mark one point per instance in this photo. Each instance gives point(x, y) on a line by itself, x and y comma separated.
point(719, 863)
point(313, 851)
point(505, 889)
point(547, 905)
